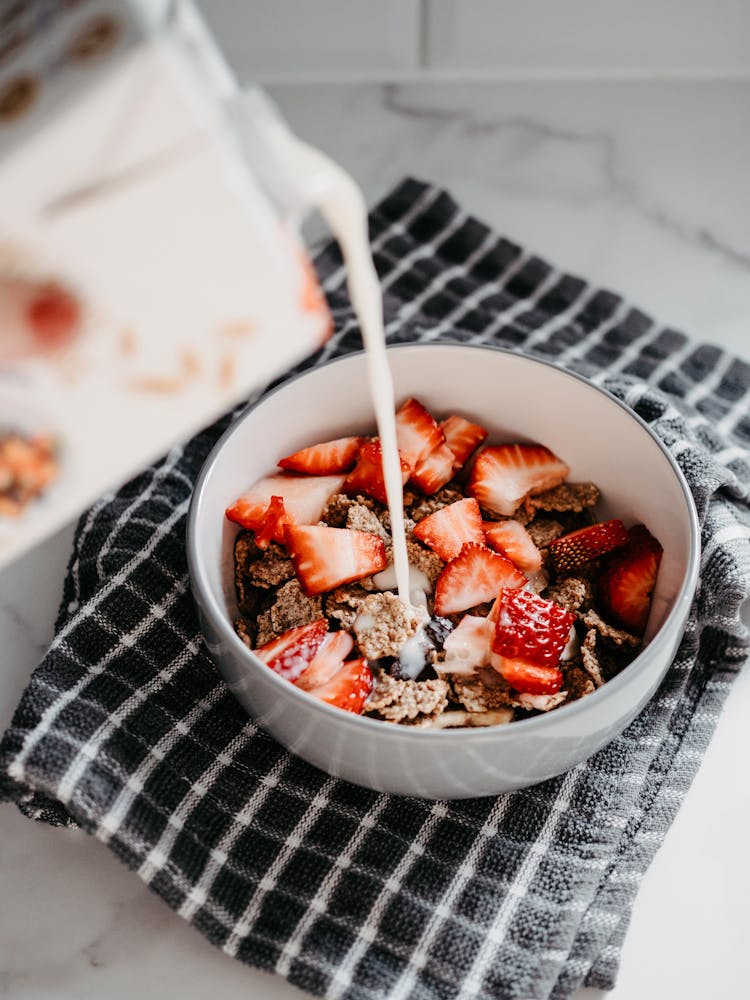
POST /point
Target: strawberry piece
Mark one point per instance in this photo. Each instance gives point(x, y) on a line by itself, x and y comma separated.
point(324, 459)
point(434, 470)
point(494, 611)
point(474, 576)
point(54, 316)
point(422, 446)
point(417, 432)
point(530, 628)
point(271, 527)
point(579, 547)
point(334, 649)
point(530, 678)
point(627, 581)
point(514, 541)
point(462, 437)
point(290, 654)
point(502, 476)
point(367, 476)
point(450, 528)
point(348, 688)
point(468, 647)
point(304, 499)
point(324, 557)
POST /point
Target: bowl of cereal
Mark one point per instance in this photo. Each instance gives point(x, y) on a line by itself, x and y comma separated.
point(552, 547)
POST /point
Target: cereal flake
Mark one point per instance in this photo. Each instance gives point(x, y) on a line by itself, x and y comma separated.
point(344, 603)
point(544, 530)
point(571, 593)
point(396, 700)
point(383, 625)
point(337, 509)
point(616, 635)
point(271, 569)
point(575, 497)
point(484, 693)
point(293, 607)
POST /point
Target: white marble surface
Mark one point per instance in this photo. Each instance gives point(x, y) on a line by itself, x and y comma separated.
point(643, 187)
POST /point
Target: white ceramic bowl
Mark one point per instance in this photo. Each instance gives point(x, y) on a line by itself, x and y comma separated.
point(517, 399)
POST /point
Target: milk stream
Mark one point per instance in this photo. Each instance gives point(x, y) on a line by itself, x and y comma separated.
point(342, 205)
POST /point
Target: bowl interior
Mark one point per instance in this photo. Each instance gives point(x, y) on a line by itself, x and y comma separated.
point(515, 397)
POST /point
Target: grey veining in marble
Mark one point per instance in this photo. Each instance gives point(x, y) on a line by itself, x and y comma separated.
point(623, 183)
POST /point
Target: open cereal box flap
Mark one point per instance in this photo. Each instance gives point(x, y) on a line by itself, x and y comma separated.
point(148, 281)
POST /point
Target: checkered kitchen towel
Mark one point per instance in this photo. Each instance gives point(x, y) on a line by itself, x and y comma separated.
point(127, 730)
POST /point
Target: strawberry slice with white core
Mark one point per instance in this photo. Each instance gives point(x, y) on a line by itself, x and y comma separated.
point(628, 577)
point(579, 547)
point(367, 476)
point(462, 437)
point(290, 654)
point(514, 541)
point(348, 688)
point(468, 647)
point(503, 475)
point(530, 628)
point(434, 470)
point(334, 649)
point(324, 459)
point(324, 558)
point(417, 432)
point(473, 577)
point(450, 528)
point(271, 527)
point(304, 498)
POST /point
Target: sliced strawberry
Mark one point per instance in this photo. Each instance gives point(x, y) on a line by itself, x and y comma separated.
point(367, 476)
point(54, 316)
point(627, 580)
point(530, 628)
point(304, 498)
point(273, 522)
point(468, 647)
point(434, 470)
point(474, 576)
point(530, 678)
point(450, 528)
point(462, 437)
point(323, 459)
point(421, 444)
point(334, 649)
point(324, 558)
point(502, 476)
point(494, 612)
point(290, 654)
point(579, 547)
point(348, 688)
point(417, 432)
point(514, 541)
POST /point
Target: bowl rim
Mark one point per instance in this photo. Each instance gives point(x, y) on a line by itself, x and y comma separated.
point(664, 637)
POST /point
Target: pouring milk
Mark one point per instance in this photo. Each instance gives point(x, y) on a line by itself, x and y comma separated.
point(303, 175)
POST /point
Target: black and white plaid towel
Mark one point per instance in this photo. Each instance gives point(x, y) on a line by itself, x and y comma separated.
point(127, 730)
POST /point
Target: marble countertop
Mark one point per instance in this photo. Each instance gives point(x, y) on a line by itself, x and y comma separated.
point(642, 187)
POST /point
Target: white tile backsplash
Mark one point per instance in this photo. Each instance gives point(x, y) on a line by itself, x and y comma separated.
point(588, 37)
point(287, 40)
point(300, 40)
